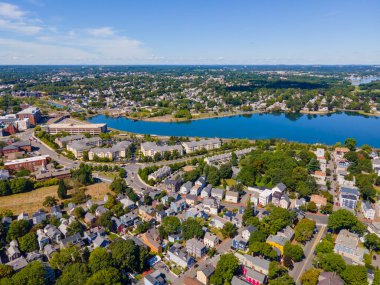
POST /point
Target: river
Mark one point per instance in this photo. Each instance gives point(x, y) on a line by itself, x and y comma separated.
point(327, 129)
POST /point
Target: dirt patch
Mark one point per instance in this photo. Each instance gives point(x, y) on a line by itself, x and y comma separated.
point(32, 201)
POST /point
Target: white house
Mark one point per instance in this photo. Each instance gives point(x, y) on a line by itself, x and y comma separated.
point(265, 197)
point(368, 211)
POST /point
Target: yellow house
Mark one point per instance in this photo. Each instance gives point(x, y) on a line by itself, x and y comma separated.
point(277, 241)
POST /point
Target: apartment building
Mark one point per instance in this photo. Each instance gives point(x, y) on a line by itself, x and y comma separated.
point(31, 113)
point(209, 144)
point(151, 148)
point(72, 129)
point(30, 163)
point(116, 151)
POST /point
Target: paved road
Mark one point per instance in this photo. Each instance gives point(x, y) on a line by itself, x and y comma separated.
point(309, 248)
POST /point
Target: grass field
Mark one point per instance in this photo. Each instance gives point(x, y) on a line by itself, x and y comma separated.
point(31, 201)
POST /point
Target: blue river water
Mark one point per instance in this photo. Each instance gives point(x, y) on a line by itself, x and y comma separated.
point(327, 129)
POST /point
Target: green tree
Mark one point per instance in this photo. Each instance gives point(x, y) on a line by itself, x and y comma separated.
point(372, 242)
point(105, 220)
point(213, 176)
point(275, 270)
point(100, 259)
point(109, 276)
point(65, 257)
point(4, 188)
point(355, 275)
point(310, 277)
point(313, 165)
point(304, 230)
point(293, 251)
point(118, 185)
point(79, 212)
point(75, 227)
point(263, 249)
point(225, 171)
point(350, 143)
point(191, 228)
point(20, 185)
point(49, 201)
point(17, 229)
point(225, 269)
point(6, 271)
point(127, 255)
point(229, 230)
point(35, 273)
point(312, 207)
point(344, 219)
point(76, 273)
point(331, 262)
point(171, 225)
point(282, 280)
point(28, 242)
point(83, 174)
point(325, 246)
point(62, 189)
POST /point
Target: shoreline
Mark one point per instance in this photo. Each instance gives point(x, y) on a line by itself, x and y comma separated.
point(166, 119)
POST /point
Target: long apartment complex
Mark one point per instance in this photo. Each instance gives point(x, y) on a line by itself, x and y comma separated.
point(151, 148)
point(72, 129)
point(210, 144)
point(116, 151)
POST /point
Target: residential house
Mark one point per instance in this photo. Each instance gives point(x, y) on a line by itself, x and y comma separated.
point(195, 248)
point(329, 278)
point(211, 206)
point(265, 197)
point(186, 188)
point(13, 251)
point(253, 277)
point(89, 218)
point(239, 243)
point(128, 204)
point(320, 177)
point(75, 239)
point(147, 213)
point(152, 239)
point(368, 211)
point(280, 187)
point(232, 197)
point(211, 240)
point(175, 237)
point(56, 212)
point(155, 278)
point(53, 233)
point(248, 231)
point(206, 191)
point(173, 185)
point(191, 200)
point(340, 152)
point(319, 200)
point(218, 222)
point(217, 193)
point(42, 239)
point(237, 281)
point(160, 173)
point(347, 245)
point(254, 262)
point(204, 273)
point(179, 256)
point(38, 217)
point(284, 202)
point(178, 206)
point(277, 241)
point(18, 263)
point(348, 197)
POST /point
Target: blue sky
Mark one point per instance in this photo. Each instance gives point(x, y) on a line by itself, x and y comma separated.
point(190, 32)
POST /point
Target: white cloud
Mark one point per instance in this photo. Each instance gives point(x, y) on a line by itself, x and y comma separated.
point(10, 11)
point(102, 32)
point(15, 20)
point(48, 45)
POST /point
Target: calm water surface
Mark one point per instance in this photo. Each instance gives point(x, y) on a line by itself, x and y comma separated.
point(327, 129)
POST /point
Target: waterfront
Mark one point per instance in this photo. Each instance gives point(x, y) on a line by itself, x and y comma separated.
point(327, 129)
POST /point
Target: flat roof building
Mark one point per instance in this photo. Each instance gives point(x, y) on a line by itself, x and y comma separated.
point(93, 129)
